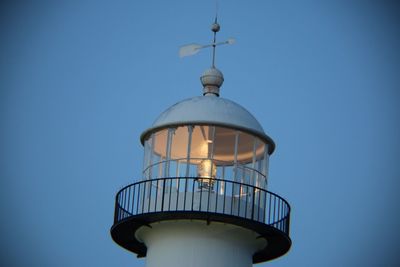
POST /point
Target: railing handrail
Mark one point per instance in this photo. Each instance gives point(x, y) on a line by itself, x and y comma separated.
point(275, 210)
point(196, 178)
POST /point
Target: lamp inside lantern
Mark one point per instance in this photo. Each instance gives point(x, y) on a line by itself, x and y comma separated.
point(206, 171)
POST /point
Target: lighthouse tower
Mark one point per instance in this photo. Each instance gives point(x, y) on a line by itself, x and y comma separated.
point(203, 199)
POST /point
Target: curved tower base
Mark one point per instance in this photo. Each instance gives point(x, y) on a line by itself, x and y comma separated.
point(195, 243)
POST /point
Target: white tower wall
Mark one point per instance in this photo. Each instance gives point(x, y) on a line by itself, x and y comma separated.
point(193, 243)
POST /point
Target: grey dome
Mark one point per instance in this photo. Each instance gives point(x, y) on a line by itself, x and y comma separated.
point(209, 110)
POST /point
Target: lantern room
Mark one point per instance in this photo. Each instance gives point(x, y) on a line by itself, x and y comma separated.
point(204, 144)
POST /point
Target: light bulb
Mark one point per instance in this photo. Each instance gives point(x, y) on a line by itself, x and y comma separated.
point(206, 169)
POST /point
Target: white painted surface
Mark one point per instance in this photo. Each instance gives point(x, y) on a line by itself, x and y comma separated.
point(192, 243)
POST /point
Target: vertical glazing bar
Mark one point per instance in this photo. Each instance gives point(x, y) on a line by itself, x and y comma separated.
point(177, 168)
point(153, 138)
point(190, 129)
point(177, 174)
point(224, 184)
point(168, 152)
point(235, 155)
point(146, 157)
point(211, 151)
point(253, 176)
point(235, 169)
point(242, 178)
point(160, 166)
point(265, 166)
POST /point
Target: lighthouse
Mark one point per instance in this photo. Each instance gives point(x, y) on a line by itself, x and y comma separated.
point(203, 197)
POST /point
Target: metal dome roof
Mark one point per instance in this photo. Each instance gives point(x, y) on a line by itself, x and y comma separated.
point(209, 110)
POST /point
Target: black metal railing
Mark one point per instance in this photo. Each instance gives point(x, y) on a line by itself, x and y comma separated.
point(188, 194)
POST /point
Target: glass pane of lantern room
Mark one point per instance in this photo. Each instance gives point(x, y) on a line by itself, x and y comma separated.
point(179, 143)
point(159, 153)
point(147, 156)
point(224, 147)
point(245, 150)
point(201, 143)
point(224, 152)
point(179, 147)
point(265, 165)
point(258, 163)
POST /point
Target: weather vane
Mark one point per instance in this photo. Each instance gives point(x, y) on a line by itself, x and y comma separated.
point(191, 49)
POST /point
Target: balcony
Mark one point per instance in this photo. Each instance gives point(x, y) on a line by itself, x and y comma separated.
point(208, 199)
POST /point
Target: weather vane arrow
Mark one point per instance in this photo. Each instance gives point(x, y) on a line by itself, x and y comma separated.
point(192, 49)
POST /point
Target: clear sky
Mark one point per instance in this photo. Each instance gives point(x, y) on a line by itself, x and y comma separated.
point(80, 81)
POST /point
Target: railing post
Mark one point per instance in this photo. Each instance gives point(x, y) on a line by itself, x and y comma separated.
point(163, 192)
point(209, 194)
point(149, 202)
point(116, 211)
point(254, 199)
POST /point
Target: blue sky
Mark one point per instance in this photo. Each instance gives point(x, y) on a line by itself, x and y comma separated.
point(81, 80)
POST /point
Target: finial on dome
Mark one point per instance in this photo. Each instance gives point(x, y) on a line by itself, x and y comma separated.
point(212, 80)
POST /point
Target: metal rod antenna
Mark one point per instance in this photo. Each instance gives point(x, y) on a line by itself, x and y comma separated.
point(215, 28)
point(214, 45)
